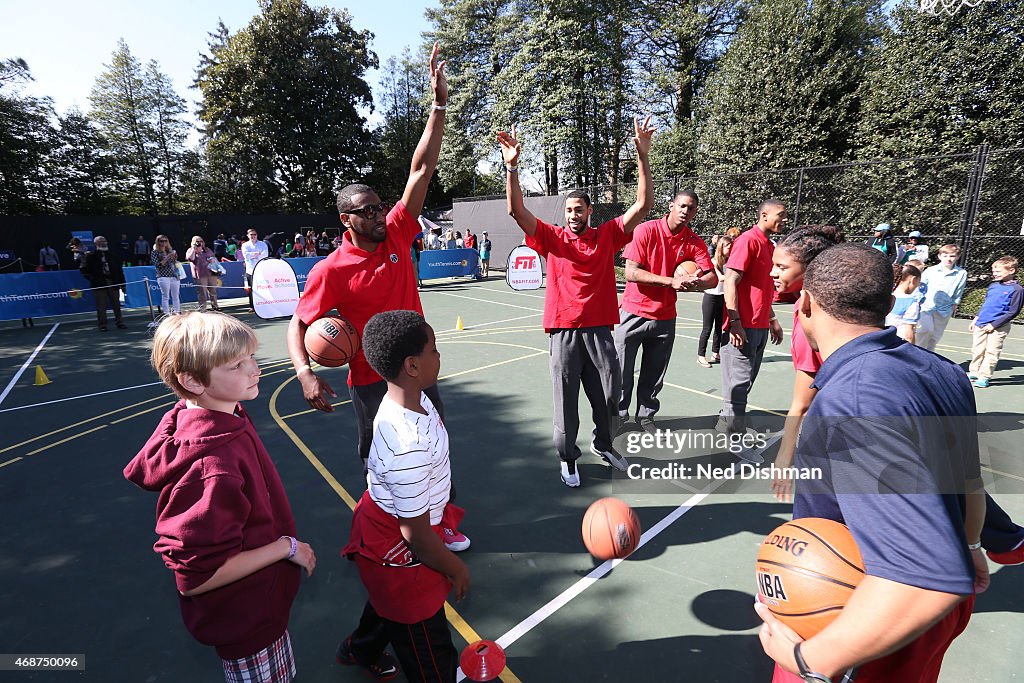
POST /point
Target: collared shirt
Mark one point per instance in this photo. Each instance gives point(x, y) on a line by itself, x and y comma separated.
point(943, 288)
point(752, 255)
point(655, 249)
point(1002, 304)
point(363, 283)
point(581, 274)
point(893, 454)
point(252, 252)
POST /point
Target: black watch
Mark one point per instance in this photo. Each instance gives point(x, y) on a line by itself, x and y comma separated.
point(805, 673)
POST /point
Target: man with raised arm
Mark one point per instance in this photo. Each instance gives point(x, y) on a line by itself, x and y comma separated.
point(370, 272)
point(581, 306)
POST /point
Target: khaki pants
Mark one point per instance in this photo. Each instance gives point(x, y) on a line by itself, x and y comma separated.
point(930, 328)
point(206, 290)
point(986, 349)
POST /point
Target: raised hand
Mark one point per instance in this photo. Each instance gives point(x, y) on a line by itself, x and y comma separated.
point(643, 132)
point(438, 82)
point(510, 147)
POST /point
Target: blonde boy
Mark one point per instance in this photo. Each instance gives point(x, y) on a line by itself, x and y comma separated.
point(943, 287)
point(1002, 304)
point(224, 523)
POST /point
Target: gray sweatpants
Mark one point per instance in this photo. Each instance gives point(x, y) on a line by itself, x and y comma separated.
point(586, 356)
point(656, 337)
point(739, 370)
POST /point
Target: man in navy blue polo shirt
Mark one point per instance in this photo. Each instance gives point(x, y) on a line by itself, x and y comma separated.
point(878, 435)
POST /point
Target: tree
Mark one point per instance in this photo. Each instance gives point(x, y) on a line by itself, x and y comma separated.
point(787, 90)
point(288, 88)
point(123, 109)
point(678, 46)
point(81, 169)
point(26, 139)
point(169, 132)
point(940, 84)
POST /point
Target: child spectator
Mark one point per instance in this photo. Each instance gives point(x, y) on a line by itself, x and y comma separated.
point(906, 309)
point(943, 287)
point(1002, 304)
point(224, 523)
point(397, 541)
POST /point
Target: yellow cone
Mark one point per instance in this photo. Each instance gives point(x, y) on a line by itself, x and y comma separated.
point(41, 377)
point(458, 323)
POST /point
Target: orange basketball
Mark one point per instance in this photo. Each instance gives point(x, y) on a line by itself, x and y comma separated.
point(806, 571)
point(610, 529)
point(686, 268)
point(331, 341)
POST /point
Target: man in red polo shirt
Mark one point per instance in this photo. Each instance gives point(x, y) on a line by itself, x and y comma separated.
point(749, 291)
point(580, 305)
point(372, 271)
point(648, 316)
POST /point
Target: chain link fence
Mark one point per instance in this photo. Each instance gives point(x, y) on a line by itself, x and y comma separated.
point(974, 200)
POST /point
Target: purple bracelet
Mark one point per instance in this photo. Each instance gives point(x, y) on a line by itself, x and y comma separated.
point(295, 547)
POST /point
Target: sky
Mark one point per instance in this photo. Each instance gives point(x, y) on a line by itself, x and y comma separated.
point(66, 43)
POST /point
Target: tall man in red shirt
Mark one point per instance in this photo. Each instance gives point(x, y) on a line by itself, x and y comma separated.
point(372, 271)
point(648, 316)
point(580, 305)
point(749, 290)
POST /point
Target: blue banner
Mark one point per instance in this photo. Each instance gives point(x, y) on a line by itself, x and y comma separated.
point(32, 295)
point(437, 263)
point(231, 285)
point(60, 292)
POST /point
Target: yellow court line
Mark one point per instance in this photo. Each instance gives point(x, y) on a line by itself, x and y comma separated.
point(719, 398)
point(471, 636)
point(70, 438)
point(538, 352)
point(456, 620)
point(143, 412)
point(319, 466)
point(77, 424)
point(10, 462)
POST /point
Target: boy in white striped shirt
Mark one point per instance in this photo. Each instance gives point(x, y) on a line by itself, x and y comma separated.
point(397, 538)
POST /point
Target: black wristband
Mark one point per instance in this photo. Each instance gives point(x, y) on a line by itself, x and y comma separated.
point(805, 671)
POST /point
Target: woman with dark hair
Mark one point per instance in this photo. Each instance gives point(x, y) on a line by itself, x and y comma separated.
point(713, 306)
point(789, 262)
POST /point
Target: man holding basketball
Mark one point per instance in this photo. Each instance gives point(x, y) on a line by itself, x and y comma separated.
point(648, 315)
point(901, 470)
point(581, 307)
point(370, 272)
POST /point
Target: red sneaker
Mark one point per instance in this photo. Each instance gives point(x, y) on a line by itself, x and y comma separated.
point(1015, 556)
point(455, 541)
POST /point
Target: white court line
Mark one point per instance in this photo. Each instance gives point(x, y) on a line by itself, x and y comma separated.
point(488, 301)
point(72, 398)
point(17, 375)
point(474, 326)
point(530, 622)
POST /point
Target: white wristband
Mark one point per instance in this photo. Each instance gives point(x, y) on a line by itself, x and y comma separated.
point(301, 368)
point(974, 546)
point(440, 107)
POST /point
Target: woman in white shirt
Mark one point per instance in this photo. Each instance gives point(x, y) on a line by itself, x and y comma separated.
point(713, 307)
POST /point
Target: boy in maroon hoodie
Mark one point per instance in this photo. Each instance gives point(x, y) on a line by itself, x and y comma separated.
point(226, 528)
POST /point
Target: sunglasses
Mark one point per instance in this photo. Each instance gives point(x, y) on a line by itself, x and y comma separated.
point(162, 241)
point(369, 211)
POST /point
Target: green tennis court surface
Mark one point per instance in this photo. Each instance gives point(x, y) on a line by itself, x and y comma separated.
point(77, 573)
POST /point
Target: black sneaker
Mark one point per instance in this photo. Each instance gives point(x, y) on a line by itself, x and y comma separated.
point(384, 669)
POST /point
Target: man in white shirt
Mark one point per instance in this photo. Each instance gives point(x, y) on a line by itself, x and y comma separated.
point(252, 251)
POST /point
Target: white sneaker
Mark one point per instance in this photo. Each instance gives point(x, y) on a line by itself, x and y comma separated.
point(613, 458)
point(570, 479)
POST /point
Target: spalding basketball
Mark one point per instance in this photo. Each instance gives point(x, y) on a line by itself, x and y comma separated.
point(332, 341)
point(806, 571)
point(611, 530)
point(686, 268)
